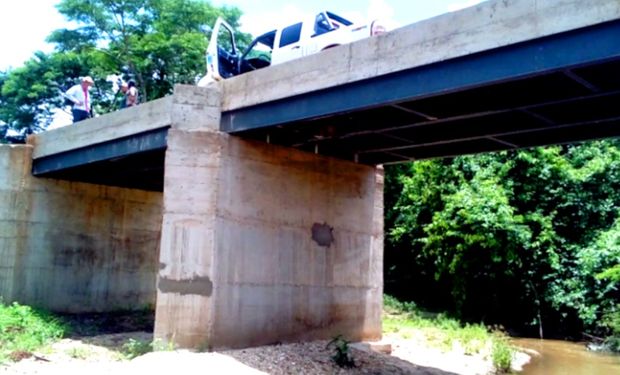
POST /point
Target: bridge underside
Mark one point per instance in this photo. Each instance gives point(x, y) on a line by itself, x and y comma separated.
point(135, 161)
point(559, 89)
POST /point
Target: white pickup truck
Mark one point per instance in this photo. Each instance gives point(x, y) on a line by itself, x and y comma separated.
point(302, 38)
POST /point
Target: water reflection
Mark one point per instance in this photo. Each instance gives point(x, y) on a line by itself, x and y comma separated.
point(562, 357)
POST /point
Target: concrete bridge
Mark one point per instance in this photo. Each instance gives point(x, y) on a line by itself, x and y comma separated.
point(250, 212)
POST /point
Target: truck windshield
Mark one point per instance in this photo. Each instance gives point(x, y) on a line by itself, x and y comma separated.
point(261, 47)
point(338, 19)
point(322, 24)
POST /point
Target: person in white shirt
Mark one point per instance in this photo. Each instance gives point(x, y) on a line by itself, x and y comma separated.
point(131, 94)
point(80, 97)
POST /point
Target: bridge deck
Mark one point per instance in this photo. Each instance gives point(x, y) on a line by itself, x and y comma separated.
point(556, 89)
point(501, 75)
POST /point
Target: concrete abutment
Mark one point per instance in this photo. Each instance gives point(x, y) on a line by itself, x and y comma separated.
point(263, 244)
point(75, 247)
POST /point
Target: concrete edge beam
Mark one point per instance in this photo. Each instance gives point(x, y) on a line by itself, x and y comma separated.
point(120, 147)
point(143, 118)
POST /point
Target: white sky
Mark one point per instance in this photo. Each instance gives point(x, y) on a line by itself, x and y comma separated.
point(24, 24)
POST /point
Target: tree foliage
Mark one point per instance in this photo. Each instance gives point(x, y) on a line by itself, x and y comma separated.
point(157, 43)
point(526, 236)
point(30, 94)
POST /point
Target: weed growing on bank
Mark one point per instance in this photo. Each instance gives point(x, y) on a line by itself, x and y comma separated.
point(342, 352)
point(502, 353)
point(135, 348)
point(446, 334)
point(24, 329)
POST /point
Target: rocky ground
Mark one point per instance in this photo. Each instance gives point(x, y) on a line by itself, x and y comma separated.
point(94, 349)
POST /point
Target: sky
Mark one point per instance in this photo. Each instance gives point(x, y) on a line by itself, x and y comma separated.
point(24, 24)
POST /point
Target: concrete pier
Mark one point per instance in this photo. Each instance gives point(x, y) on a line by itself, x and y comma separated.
point(263, 244)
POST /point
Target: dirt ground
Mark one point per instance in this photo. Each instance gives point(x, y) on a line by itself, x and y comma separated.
point(95, 347)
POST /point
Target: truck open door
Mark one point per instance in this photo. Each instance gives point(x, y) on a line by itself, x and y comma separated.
point(222, 54)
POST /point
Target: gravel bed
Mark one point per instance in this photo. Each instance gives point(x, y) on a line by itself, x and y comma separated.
point(315, 358)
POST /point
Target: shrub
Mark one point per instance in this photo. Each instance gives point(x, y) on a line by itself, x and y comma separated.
point(502, 352)
point(24, 329)
point(79, 353)
point(134, 348)
point(394, 306)
point(342, 352)
point(611, 320)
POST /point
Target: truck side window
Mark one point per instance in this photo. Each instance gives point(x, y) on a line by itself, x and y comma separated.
point(290, 34)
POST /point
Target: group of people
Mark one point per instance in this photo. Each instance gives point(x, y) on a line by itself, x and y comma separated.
point(129, 96)
point(79, 95)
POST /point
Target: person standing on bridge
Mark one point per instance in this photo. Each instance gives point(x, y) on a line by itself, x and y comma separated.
point(122, 90)
point(131, 95)
point(80, 97)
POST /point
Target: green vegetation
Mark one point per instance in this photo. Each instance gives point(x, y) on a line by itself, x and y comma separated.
point(446, 334)
point(157, 43)
point(135, 348)
point(502, 353)
point(24, 329)
point(79, 352)
point(611, 318)
point(612, 322)
point(342, 352)
point(528, 239)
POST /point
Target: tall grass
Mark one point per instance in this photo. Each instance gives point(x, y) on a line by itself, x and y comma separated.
point(24, 330)
point(446, 334)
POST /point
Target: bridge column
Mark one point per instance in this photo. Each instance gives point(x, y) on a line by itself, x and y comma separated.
point(263, 244)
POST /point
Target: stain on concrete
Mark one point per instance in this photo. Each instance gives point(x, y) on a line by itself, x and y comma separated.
point(80, 251)
point(310, 324)
point(201, 286)
point(162, 266)
point(322, 234)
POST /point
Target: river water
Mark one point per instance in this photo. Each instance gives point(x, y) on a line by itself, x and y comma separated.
point(567, 358)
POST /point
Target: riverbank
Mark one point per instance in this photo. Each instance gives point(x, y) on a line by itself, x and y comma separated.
point(100, 343)
point(105, 354)
point(491, 348)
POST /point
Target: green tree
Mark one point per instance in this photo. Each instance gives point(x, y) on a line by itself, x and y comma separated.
point(611, 316)
point(511, 237)
point(30, 95)
point(158, 43)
